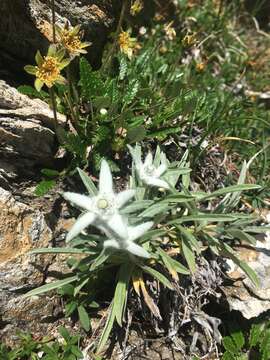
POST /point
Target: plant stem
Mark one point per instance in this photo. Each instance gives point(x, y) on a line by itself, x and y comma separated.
point(118, 29)
point(53, 102)
point(53, 20)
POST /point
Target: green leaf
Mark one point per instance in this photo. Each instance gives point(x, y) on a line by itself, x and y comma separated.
point(120, 295)
point(131, 91)
point(238, 338)
point(136, 205)
point(88, 183)
point(257, 229)
point(205, 217)
point(156, 274)
point(70, 308)
point(244, 266)
point(44, 187)
point(230, 189)
point(177, 198)
point(107, 329)
point(103, 256)
point(265, 345)
point(229, 345)
point(90, 81)
point(241, 235)
point(48, 287)
point(255, 334)
point(63, 250)
point(136, 134)
point(170, 263)
point(32, 92)
point(189, 255)
point(50, 172)
point(155, 209)
point(191, 239)
point(84, 318)
point(123, 68)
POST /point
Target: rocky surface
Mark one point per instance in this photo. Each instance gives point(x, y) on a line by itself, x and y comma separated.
point(27, 139)
point(243, 296)
point(25, 28)
point(24, 227)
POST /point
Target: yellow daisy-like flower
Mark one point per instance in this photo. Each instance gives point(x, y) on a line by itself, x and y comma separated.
point(170, 31)
point(48, 68)
point(136, 7)
point(70, 39)
point(126, 43)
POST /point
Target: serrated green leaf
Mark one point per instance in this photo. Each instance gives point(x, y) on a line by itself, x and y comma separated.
point(229, 345)
point(131, 91)
point(90, 81)
point(255, 334)
point(44, 187)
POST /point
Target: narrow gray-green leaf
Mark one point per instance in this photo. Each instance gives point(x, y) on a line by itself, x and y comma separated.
point(155, 209)
point(107, 329)
point(88, 183)
point(51, 286)
point(63, 250)
point(120, 295)
point(156, 274)
point(230, 189)
point(189, 255)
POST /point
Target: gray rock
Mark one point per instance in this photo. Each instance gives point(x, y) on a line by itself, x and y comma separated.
point(243, 295)
point(27, 138)
point(25, 28)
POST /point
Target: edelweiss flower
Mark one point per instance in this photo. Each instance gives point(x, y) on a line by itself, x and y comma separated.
point(70, 38)
point(148, 172)
point(48, 68)
point(101, 210)
point(127, 244)
point(126, 43)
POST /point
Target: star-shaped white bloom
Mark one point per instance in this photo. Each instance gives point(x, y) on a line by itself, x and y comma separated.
point(149, 173)
point(100, 210)
point(127, 244)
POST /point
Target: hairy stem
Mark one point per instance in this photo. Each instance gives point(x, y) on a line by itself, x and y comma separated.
point(53, 21)
point(118, 29)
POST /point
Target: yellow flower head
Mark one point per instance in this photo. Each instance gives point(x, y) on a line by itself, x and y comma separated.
point(189, 40)
point(126, 43)
point(136, 7)
point(48, 68)
point(70, 39)
point(170, 31)
point(200, 66)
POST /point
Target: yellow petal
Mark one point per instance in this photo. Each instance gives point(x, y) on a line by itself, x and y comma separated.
point(64, 63)
point(52, 50)
point(39, 58)
point(38, 84)
point(30, 69)
point(61, 80)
